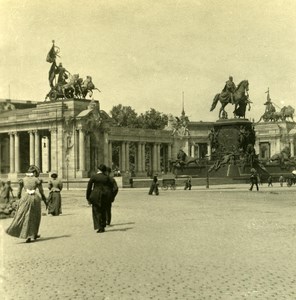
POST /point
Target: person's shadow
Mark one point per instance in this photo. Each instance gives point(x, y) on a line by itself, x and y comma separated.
point(122, 229)
point(118, 224)
point(41, 239)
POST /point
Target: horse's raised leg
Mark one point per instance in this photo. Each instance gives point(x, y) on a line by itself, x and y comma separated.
point(220, 111)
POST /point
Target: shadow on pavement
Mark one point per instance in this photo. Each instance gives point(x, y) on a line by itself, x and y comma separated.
point(52, 238)
point(123, 229)
point(118, 224)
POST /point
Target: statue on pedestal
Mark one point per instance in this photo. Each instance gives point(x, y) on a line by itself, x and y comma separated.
point(234, 95)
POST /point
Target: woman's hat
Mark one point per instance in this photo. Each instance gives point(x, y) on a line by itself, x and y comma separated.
point(53, 174)
point(33, 169)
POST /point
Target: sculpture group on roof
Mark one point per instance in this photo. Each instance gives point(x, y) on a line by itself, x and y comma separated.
point(271, 115)
point(62, 83)
point(178, 126)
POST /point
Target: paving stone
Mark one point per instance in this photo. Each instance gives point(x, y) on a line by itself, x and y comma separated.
point(206, 244)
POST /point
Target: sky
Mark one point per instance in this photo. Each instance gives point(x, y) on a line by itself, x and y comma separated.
point(148, 54)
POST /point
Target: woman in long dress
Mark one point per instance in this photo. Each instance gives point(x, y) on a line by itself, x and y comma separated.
point(26, 222)
point(55, 186)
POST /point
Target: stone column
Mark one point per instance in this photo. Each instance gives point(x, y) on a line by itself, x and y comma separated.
point(139, 158)
point(17, 152)
point(158, 169)
point(32, 148)
point(127, 166)
point(154, 158)
point(11, 152)
point(169, 156)
point(192, 150)
point(37, 149)
point(106, 149)
point(110, 154)
point(209, 151)
point(53, 150)
point(143, 155)
point(123, 157)
point(81, 150)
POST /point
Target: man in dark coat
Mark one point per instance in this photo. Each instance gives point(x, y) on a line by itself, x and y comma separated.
point(154, 186)
point(254, 179)
point(98, 194)
point(112, 194)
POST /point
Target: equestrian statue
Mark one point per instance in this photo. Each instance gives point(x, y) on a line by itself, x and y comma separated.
point(182, 161)
point(238, 96)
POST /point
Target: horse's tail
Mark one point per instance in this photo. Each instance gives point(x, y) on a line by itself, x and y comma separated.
point(215, 101)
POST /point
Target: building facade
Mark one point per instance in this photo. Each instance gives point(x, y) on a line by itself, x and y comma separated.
point(73, 137)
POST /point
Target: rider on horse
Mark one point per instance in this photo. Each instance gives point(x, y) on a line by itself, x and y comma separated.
point(229, 88)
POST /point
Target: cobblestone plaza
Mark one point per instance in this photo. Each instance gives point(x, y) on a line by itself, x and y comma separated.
point(219, 243)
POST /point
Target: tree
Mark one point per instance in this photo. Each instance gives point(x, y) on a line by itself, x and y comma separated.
point(124, 116)
point(153, 119)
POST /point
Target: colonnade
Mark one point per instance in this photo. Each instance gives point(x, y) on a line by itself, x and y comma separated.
point(26, 147)
point(141, 155)
point(34, 149)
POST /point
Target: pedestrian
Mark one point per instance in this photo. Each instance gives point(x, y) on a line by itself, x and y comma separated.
point(269, 180)
point(154, 186)
point(5, 192)
point(254, 179)
point(113, 193)
point(281, 180)
point(98, 194)
point(55, 187)
point(188, 184)
point(26, 222)
point(259, 179)
point(131, 181)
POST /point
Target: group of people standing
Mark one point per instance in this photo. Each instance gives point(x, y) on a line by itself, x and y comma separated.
point(26, 221)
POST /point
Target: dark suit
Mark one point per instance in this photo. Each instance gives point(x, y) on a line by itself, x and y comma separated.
point(113, 193)
point(98, 194)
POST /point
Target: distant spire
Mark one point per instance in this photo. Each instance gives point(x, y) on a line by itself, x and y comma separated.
point(183, 110)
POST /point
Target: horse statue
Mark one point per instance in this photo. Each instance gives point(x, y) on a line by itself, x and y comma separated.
point(281, 157)
point(182, 161)
point(70, 86)
point(282, 115)
point(239, 96)
point(87, 87)
point(177, 126)
point(287, 112)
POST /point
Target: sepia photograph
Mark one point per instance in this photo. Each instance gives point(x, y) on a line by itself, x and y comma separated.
point(147, 149)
